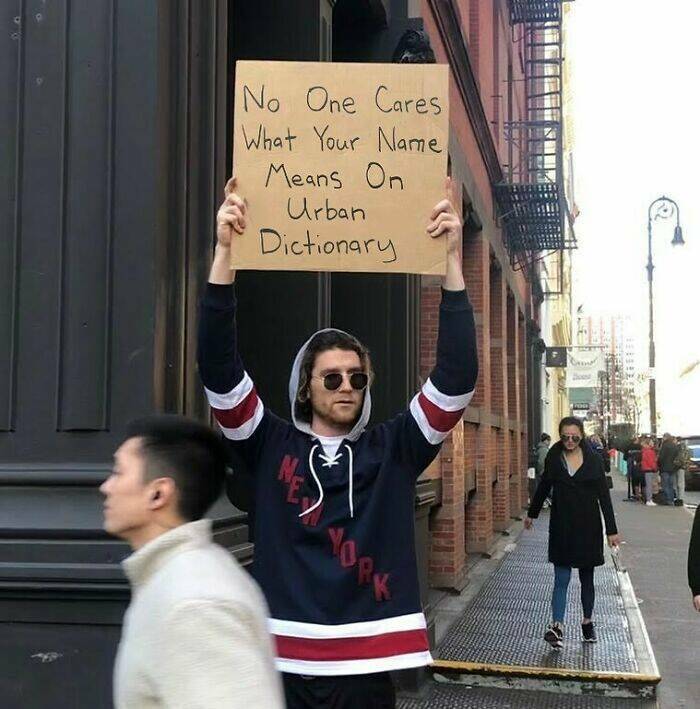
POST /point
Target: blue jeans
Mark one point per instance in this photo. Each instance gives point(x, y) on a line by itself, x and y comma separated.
point(649, 486)
point(562, 576)
point(668, 484)
point(680, 483)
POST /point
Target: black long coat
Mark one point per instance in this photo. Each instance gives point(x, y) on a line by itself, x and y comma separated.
point(694, 556)
point(575, 527)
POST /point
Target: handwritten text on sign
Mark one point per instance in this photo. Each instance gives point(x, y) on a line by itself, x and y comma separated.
point(341, 165)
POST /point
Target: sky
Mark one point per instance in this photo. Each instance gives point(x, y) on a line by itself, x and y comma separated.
point(634, 79)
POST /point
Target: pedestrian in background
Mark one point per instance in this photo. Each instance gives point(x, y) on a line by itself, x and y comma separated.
point(195, 633)
point(694, 561)
point(633, 456)
point(541, 454)
point(648, 467)
point(599, 448)
point(681, 464)
point(667, 467)
point(575, 474)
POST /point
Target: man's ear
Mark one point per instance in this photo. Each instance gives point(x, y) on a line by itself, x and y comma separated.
point(163, 493)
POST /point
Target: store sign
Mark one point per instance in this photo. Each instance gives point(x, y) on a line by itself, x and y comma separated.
point(341, 165)
point(583, 365)
point(555, 357)
point(580, 410)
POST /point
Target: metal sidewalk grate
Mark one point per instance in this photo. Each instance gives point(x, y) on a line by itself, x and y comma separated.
point(505, 622)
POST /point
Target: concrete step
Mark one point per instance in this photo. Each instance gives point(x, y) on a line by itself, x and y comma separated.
point(450, 696)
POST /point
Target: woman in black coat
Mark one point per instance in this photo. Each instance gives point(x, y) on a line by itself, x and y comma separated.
point(694, 561)
point(575, 474)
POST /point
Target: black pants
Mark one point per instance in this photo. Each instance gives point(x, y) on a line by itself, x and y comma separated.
point(374, 691)
point(562, 576)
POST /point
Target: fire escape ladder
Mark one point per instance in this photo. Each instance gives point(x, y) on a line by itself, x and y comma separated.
point(531, 199)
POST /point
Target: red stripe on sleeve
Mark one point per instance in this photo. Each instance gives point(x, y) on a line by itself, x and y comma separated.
point(438, 418)
point(365, 648)
point(239, 414)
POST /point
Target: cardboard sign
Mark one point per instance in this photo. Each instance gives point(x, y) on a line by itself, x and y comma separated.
point(341, 165)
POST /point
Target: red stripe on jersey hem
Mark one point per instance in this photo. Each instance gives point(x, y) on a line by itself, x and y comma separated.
point(439, 419)
point(239, 414)
point(364, 648)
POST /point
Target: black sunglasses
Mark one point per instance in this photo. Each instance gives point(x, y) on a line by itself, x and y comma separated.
point(567, 437)
point(333, 380)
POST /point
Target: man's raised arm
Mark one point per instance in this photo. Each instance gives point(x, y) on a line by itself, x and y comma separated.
point(230, 220)
point(230, 391)
point(445, 220)
point(439, 405)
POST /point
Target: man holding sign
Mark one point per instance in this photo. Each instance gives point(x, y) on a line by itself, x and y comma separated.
point(334, 531)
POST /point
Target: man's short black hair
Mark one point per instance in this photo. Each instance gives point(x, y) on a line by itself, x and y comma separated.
point(545, 437)
point(187, 451)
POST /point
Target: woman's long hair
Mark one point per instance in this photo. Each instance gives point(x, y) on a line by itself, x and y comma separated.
point(572, 421)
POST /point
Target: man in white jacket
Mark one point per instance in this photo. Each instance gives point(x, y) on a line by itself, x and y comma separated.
point(195, 633)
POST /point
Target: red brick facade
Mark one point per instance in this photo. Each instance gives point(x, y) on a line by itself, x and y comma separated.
point(483, 463)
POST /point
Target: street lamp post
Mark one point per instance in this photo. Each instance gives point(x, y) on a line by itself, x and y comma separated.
point(662, 208)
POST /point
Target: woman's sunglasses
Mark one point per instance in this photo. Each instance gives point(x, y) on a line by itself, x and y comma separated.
point(333, 380)
point(566, 437)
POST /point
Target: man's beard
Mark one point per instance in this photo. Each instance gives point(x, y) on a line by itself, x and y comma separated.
point(349, 419)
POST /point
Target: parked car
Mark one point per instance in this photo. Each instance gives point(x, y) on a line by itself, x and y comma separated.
point(692, 475)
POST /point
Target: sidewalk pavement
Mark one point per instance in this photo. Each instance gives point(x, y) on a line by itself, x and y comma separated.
point(494, 654)
point(655, 554)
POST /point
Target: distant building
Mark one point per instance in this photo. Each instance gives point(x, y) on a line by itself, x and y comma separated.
point(615, 334)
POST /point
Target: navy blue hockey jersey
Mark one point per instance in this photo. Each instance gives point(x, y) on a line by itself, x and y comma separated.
point(334, 534)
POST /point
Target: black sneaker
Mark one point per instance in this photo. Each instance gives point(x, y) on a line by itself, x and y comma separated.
point(588, 630)
point(678, 503)
point(554, 635)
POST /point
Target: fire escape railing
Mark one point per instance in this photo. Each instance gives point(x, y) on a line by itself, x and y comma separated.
point(531, 198)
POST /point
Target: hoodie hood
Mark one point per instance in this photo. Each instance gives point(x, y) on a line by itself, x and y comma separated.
point(305, 427)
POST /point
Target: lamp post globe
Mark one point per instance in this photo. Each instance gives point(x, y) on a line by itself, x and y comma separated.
point(677, 236)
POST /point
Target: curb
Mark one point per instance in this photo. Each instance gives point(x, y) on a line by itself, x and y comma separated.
point(559, 673)
point(643, 650)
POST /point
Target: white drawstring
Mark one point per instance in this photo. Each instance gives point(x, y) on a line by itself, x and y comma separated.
point(320, 488)
point(329, 461)
point(318, 483)
point(352, 510)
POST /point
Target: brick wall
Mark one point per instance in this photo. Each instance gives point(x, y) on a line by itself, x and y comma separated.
point(515, 470)
point(474, 35)
point(522, 389)
point(488, 447)
point(499, 400)
point(482, 465)
point(447, 525)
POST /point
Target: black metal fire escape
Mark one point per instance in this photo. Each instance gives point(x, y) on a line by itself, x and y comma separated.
point(531, 199)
